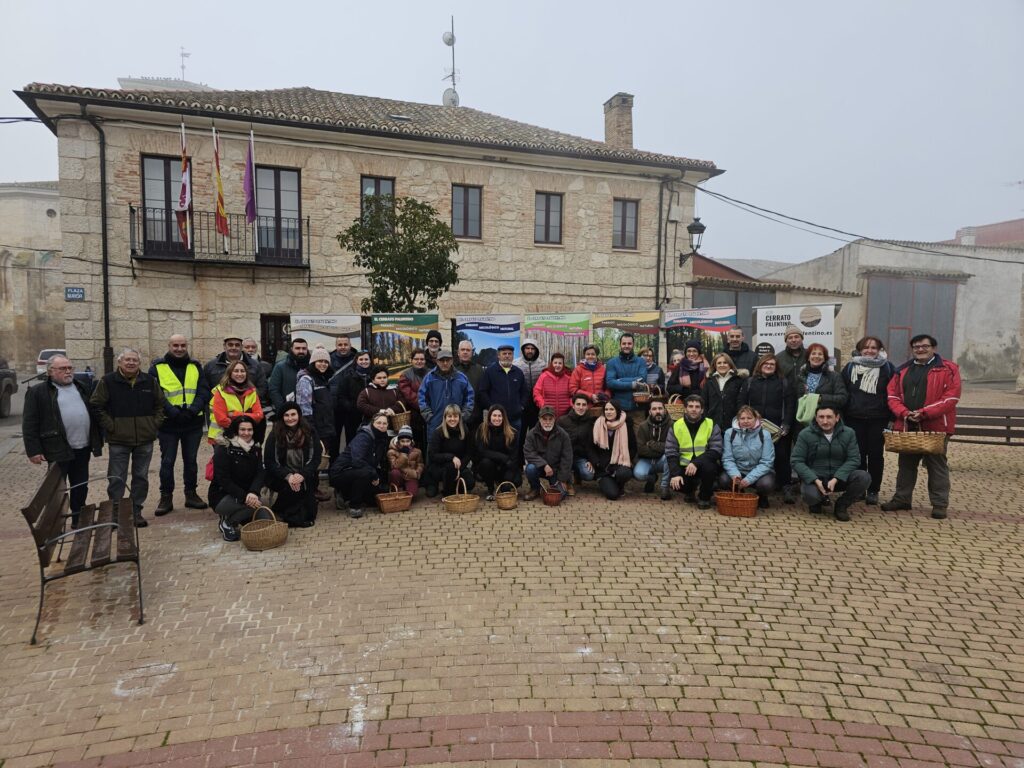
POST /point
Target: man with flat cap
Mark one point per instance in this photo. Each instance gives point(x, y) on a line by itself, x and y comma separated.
point(213, 371)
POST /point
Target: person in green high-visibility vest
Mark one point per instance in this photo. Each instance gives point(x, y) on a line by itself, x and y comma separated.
point(693, 450)
point(186, 395)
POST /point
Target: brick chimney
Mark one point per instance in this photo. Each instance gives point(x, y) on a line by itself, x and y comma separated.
point(618, 121)
point(967, 235)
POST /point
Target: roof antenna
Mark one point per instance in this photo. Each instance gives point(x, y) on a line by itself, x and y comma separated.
point(450, 97)
point(184, 55)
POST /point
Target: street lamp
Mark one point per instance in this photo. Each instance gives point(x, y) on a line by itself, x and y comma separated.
point(696, 232)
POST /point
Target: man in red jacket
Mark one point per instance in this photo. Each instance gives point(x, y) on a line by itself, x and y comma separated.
point(923, 395)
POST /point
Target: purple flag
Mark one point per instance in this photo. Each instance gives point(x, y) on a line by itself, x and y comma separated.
point(249, 183)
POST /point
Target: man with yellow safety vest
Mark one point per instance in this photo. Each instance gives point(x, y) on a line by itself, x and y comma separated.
point(186, 395)
point(693, 450)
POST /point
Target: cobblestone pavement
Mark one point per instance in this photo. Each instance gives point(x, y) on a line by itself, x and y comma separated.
point(597, 633)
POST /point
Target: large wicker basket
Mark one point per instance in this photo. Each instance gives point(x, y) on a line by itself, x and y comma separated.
point(642, 395)
point(395, 501)
point(400, 419)
point(461, 503)
point(676, 407)
point(735, 503)
point(906, 441)
point(259, 535)
point(506, 499)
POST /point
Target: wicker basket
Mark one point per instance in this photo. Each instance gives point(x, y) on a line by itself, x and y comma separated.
point(325, 459)
point(643, 395)
point(551, 495)
point(596, 411)
point(461, 503)
point(735, 503)
point(395, 501)
point(259, 535)
point(675, 407)
point(506, 499)
point(905, 441)
point(401, 419)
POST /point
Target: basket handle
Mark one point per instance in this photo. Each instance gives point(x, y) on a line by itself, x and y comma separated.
point(395, 487)
point(674, 399)
point(262, 506)
point(644, 387)
point(503, 484)
point(462, 480)
point(401, 405)
point(736, 486)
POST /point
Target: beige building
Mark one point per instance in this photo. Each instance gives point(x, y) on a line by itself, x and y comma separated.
point(546, 221)
point(31, 281)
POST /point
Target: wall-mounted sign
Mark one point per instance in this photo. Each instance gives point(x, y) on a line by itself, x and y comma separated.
point(74, 293)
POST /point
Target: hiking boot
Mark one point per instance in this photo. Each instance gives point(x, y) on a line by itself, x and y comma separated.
point(893, 506)
point(703, 504)
point(666, 493)
point(938, 513)
point(192, 500)
point(355, 512)
point(140, 521)
point(649, 485)
point(228, 531)
point(814, 509)
point(871, 499)
point(530, 495)
point(570, 489)
point(788, 495)
point(165, 505)
point(762, 501)
point(841, 512)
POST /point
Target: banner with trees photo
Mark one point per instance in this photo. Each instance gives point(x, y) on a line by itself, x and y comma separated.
point(607, 327)
point(566, 333)
point(486, 332)
point(708, 326)
point(394, 336)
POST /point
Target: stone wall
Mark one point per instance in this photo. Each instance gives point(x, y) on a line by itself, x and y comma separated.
point(503, 272)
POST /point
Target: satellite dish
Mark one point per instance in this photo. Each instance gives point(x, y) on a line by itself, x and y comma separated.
point(448, 38)
point(450, 98)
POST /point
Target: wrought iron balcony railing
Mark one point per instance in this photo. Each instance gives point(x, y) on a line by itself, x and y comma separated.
point(282, 242)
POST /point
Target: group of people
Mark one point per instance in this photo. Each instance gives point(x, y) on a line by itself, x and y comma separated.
point(785, 422)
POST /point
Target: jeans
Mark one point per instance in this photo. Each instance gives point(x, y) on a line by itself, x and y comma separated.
point(117, 468)
point(76, 470)
point(872, 447)
point(581, 469)
point(534, 475)
point(938, 477)
point(646, 467)
point(852, 489)
point(169, 442)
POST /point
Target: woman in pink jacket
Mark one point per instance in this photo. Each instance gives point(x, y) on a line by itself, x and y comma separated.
point(552, 387)
point(588, 377)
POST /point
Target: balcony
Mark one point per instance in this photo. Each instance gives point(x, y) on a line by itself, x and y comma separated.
point(282, 242)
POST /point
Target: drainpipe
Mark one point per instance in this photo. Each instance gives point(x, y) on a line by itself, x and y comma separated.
point(657, 270)
point(108, 350)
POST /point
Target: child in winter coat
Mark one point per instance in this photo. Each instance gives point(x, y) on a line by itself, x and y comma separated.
point(405, 461)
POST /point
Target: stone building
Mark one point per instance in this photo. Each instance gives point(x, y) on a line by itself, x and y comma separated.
point(31, 282)
point(546, 221)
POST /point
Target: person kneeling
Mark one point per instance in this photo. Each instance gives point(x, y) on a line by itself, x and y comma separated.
point(292, 458)
point(692, 450)
point(405, 461)
point(612, 450)
point(495, 449)
point(237, 476)
point(749, 456)
point(650, 446)
point(449, 452)
point(356, 473)
point(548, 454)
point(826, 458)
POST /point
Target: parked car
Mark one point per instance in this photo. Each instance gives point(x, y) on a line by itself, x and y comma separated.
point(44, 356)
point(8, 386)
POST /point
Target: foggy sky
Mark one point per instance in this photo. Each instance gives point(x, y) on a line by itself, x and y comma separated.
point(891, 119)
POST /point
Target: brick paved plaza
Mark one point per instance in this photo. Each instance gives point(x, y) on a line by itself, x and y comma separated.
point(598, 633)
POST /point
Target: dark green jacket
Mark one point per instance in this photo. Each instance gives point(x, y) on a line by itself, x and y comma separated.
point(815, 458)
point(130, 412)
point(42, 428)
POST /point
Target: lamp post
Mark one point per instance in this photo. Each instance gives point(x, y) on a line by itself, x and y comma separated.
point(696, 231)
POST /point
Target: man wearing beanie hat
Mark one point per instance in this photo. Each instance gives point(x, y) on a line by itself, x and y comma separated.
point(434, 342)
point(793, 355)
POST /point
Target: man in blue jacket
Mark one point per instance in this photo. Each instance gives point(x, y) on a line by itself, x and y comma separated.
point(504, 384)
point(442, 387)
point(624, 374)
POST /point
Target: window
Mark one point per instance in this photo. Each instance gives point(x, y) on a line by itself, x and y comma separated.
point(624, 215)
point(466, 210)
point(161, 183)
point(375, 185)
point(547, 227)
point(277, 213)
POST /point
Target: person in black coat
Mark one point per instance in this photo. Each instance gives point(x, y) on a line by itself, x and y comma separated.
point(721, 392)
point(688, 376)
point(237, 476)
point(579, 425)
point(613, 450)
point(358, 474)
point(773, 397)
point(449, 451)
point(867, 413)
point(346, 385)
point(292, 461)
point(495, 449)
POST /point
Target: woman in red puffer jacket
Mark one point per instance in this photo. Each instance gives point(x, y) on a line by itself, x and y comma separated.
point(552, 387)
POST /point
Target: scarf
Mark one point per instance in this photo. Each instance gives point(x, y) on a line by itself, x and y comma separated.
point(235, 390)
point(591, 366)
point(620, 446)
point(245, 445)
point(814, 379)
point(865, 372)
point(294, 438)
point(722, 380)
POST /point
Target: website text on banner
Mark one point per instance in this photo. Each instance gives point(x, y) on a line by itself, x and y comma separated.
point(817, 322)
point(487, 332)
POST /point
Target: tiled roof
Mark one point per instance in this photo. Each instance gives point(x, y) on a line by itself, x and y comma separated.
point(766, 285)
point(938, 274)
point(29, 185)
point(369, 114)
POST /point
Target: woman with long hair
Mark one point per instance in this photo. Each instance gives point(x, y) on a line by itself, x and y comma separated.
point(237, 476)
point(495, 449)
point(553, 386)
point(613, 450)
point(235, 395)
point(721, 391)
point(292, 459)
point(449, 453)
point(866, 378)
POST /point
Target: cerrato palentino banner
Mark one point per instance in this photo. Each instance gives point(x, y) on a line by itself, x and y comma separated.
point(817, 322)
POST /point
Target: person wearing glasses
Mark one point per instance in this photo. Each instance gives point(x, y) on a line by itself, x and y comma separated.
point(923, 395)
point(58, 426)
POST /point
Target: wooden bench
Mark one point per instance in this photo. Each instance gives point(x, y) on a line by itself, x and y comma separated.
point(91, 542)
point(999, 426)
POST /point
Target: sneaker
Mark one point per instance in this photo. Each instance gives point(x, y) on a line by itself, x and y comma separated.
point(490, 497)
point(192, 500)
point(531, 495)
point(649, 485)
point(827, 501)
point(938, 513)
point(788, 495)
point(355, 512)
point(893, 506)
point(762, 502)
point(814, 509)
point(140, 521)
point(165, 505)
point(841, 513)
point(570, 489)
point(871, 499)
point(228, 531)
point(703, 504)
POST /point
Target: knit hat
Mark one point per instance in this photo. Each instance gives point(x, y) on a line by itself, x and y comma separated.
point(792, 329)
point(434, 335)
point(693, 344)
point(405, 431)
point(319, 354)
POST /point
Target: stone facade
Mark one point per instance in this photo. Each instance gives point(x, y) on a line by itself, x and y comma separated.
point(31, 280)
point(504, 271)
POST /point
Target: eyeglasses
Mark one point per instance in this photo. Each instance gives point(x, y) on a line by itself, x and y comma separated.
point(921, 346)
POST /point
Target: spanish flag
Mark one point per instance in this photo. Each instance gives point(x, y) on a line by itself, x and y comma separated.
point(222, 214)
